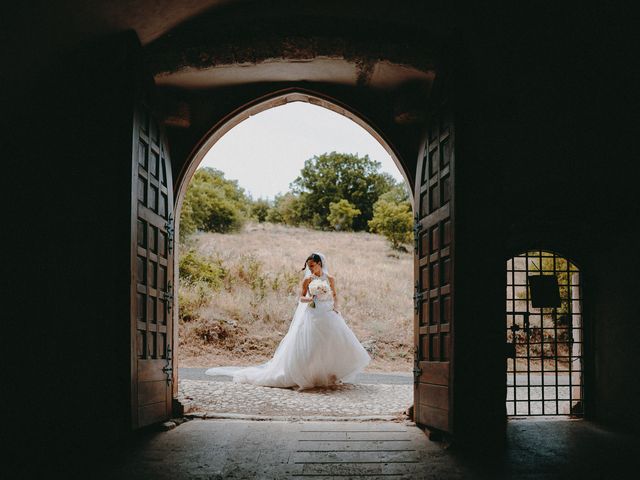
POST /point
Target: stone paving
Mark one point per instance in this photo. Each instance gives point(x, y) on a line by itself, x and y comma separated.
point(345, 400)
point(243, 449)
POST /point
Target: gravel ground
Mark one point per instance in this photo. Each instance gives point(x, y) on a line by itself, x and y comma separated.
point(371, 395)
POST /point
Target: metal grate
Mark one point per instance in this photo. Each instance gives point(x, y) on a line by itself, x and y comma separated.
point(545, 345)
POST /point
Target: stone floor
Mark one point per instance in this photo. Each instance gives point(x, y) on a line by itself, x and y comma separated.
point(240, 449)
point(381, 401)
point(244, 449)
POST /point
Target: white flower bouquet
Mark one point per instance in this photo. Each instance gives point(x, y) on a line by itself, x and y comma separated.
point(318, 289)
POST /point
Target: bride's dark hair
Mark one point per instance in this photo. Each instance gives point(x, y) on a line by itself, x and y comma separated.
point(315, 257)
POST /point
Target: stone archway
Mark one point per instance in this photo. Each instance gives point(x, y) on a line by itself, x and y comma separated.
point(275, 99)
point(222, 127)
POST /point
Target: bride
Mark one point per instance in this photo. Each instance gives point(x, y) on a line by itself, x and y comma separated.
point(319, 349)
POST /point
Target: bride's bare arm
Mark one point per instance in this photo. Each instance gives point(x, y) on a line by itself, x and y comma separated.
point(332, 283)
point(305, 286)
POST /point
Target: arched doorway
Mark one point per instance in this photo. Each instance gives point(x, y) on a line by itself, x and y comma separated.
point(545, 335)
point(270, 101)
point(433, 207)
point(277, 101)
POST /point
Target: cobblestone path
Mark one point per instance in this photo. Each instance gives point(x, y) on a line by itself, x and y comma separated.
point(346, 400)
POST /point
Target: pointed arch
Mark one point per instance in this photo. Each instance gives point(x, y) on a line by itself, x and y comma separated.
point(275, 99)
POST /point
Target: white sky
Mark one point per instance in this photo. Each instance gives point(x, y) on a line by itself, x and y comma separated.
point(266, 152)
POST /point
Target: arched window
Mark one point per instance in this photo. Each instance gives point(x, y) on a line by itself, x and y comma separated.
point(544, 335)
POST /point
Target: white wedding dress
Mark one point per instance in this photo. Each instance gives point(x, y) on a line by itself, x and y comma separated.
point(318, 350)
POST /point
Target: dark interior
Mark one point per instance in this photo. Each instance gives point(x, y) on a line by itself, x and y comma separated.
point(542, 100)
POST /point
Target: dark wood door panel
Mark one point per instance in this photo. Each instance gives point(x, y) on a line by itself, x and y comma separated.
point(434, 417)
point(434, 323)
point(152, 269)
point(434, 373)
point(152, 391)
point(436, 396)
point(150, 414)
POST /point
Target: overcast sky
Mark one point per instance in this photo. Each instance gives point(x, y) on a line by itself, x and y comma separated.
point(266, 152)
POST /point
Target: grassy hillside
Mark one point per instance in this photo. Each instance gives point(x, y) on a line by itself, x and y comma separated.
point(241, 313)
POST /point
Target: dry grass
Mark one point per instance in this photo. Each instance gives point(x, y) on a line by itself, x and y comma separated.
point(243, 322)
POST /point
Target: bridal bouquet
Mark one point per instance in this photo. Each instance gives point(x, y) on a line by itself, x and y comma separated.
point(318, 288)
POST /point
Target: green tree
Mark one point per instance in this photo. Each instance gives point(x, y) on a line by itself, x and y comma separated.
point(341, 215)
point(213, 203)
point(187, 220)
point(260, 209)
point(331, 177)
point(393, 219)
point(399, 193)
point(286, 209)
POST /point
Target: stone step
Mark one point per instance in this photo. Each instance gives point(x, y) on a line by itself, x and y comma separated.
point(376, 445)
point(380, 456)
point(363, 469)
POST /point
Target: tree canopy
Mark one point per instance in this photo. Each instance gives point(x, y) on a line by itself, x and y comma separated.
point(392, 216)
point(339, 191)
point(331, 177)
point(342, 214)
point(213, 203)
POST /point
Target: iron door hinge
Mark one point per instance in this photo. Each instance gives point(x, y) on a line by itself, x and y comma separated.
point(417, 371)
point(168, 297)
point(417, 297)
point(170, 232)
point(417, 228)
point(168, 369)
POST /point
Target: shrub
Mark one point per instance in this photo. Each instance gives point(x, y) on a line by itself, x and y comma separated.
point(342, 214)
point(197, 268)
point(192, 297)
point(394, 221)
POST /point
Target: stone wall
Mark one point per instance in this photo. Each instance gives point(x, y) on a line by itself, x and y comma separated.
point(546, 159)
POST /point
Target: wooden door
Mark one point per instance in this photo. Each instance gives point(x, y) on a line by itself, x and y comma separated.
point(151, 269)
point(433, 268)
